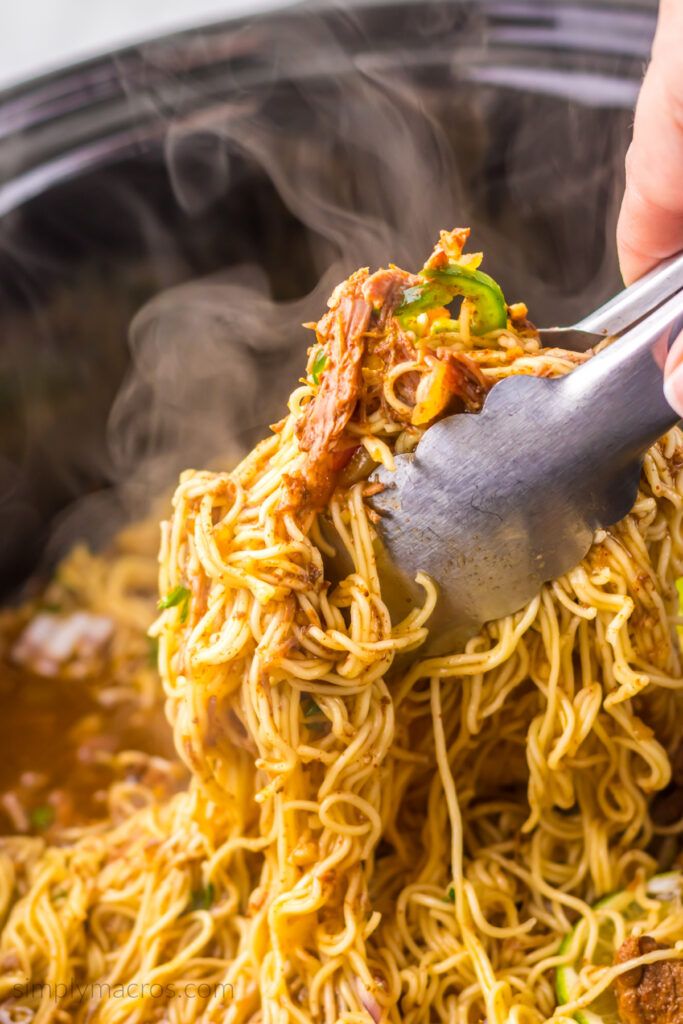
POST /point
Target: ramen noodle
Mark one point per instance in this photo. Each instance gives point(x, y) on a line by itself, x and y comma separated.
point(370, 834)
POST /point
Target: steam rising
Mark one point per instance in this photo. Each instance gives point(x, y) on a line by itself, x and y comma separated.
point(371, 176)
point(373, 166)
point(212, 364)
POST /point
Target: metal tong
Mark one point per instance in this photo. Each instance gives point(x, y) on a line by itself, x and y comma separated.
point(493, 505)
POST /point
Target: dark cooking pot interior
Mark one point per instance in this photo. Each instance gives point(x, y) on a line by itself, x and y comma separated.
point(276, 152)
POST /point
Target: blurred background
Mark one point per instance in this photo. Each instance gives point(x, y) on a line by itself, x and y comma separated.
point(181, 186)
point(41, 35)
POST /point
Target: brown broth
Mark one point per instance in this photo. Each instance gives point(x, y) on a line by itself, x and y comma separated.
point(56, 743)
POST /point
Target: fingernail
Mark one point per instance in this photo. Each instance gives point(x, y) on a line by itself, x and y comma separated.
point(673, 389)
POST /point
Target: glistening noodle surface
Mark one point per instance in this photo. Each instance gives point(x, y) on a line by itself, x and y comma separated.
point(370, 835)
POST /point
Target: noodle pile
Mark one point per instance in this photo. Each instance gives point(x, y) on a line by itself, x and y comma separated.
point(368, 835)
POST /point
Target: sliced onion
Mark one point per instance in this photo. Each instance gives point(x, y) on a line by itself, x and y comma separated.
point(667, 886)
point(48, 641)
point(368, 1001)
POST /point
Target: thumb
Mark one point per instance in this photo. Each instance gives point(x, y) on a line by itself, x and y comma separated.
point(673, 376)
point(651, 220)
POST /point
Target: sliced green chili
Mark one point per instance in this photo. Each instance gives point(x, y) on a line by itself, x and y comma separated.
point(490, 311)
point(420, 297)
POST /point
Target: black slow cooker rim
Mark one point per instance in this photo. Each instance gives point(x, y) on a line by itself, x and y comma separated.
point(122, 91)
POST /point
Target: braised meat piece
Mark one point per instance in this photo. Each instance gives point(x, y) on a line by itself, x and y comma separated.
point(385, 288)
point(450, 245)
point(651, 993)
point(342, 332)
point(466, 379)
point(361, 341)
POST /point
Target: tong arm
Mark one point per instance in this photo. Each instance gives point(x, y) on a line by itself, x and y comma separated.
point(636, 301)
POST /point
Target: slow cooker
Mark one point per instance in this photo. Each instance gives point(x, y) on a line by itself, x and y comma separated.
point(171, 213)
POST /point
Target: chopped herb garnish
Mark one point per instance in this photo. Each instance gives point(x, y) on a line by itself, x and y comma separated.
point(59, 894)
point(42, 816)
point(318, 365)
point(178, 597)
point(315, 719)
point(153, 654)
point(311, 708)
point(451, 895)
point(201, 899)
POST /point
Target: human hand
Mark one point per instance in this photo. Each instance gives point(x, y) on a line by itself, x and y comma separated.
point(651, 220)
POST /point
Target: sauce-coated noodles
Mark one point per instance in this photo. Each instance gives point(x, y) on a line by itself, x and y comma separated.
point(368, 835)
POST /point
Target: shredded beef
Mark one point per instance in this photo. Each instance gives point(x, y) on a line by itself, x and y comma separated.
point(360, 324)
point(342, 332)
point(652, 993)
point(450, 244)
point(384, 290)
point(466, 379)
